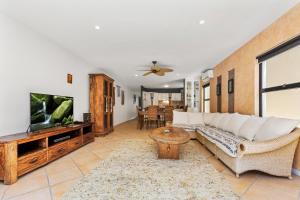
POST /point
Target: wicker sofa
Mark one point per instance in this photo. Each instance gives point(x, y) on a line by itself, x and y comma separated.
point(250, 145)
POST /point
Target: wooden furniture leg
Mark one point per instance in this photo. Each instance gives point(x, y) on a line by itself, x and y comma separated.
point(10, 163)
point(168, 151)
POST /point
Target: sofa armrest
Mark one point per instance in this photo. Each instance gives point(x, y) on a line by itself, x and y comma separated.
point(248, 147)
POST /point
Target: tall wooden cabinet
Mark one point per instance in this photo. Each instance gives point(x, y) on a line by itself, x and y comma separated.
point(101, 103)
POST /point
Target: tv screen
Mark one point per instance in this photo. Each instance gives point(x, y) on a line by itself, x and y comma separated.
point(47, 111)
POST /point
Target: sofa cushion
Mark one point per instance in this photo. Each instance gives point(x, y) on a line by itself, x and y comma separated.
point(180, 118)
point(226, 141)
point(223, 124)
point(208, 117)
point(217, 117)
point(275, 127)
point(195, 118)
point(250, 127)
point(236, 123)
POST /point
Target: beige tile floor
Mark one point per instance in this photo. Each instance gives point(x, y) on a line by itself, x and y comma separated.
point(51, 181)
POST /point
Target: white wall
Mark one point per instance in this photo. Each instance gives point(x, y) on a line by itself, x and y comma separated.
point(128, 110)
point(29, 62)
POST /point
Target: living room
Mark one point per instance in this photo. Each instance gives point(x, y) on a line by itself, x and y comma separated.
point(149, 99)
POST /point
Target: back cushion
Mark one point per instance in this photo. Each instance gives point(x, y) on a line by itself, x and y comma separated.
point(216, 119)
point(223, 124)
point(275, 127)
point(180, 117)
point(195, 118)
point(236, 123)
point(251, 127)
point(208, 118)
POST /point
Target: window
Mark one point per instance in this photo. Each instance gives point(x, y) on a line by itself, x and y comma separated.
point(280, 82)
point(206, 98)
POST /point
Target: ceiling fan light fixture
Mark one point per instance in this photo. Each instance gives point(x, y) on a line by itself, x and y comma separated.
point(202, 21)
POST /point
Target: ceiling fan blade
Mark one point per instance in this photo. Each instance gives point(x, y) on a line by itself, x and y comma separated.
point(166, 69)
point(144, 70)
point(160, 73)
point(146, 74)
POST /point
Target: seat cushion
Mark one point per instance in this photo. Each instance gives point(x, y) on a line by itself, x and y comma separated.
point(226, 141)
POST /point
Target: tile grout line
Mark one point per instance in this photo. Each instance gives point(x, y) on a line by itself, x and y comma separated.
point(51, 196)
point(77, 167)
point(256, 179)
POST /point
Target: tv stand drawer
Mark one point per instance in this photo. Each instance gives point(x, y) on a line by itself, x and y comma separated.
point(88, 137)
point(75, 143)
point(31, 161)
point(57, 151)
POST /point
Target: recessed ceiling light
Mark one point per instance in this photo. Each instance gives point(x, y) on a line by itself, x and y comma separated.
point(166, 86)
point(202, 21)
point(136, 75)
point(97, 27)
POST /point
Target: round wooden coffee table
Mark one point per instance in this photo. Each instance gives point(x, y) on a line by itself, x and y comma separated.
point(168, 141)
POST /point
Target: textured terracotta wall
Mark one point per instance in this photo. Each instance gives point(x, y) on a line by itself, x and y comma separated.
point(246, 66)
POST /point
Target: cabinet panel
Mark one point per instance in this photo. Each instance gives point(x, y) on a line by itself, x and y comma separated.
point(104, 108)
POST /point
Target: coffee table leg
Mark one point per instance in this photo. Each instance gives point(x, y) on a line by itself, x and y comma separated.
point(168, 151)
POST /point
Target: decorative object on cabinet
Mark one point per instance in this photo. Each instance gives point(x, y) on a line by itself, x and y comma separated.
point(86, 117)
point(101, 103)
point(122, 97)
point(22, 153)
point(69, 78)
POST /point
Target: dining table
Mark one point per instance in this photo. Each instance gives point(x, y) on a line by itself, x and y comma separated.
point(142, 115)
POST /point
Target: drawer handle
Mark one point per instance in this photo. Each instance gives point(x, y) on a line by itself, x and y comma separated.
point(34, 160)
point(61, 150)
point(77, 143)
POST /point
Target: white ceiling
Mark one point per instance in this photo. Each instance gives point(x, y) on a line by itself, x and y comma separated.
point(135, 32)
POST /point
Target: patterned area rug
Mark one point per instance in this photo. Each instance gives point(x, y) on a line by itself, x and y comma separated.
point(134, 172)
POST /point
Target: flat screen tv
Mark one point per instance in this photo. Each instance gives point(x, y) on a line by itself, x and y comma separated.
point(48, 111)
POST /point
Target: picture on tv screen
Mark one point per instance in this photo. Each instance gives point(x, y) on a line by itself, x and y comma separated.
point(47, 111)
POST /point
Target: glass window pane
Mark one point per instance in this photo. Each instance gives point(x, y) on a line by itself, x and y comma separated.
point(207, 92)
point(283, 68)
point(207, 106)
point(284, 103)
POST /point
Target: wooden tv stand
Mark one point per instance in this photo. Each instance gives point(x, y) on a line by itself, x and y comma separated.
point(22, 153)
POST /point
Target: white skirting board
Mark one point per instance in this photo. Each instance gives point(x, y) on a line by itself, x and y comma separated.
point(296, 172)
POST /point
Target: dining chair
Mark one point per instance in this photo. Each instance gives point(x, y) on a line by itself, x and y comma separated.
point(152, 116)
point(168, 114)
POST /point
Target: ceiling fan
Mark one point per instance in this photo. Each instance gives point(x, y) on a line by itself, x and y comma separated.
point(156, 69)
